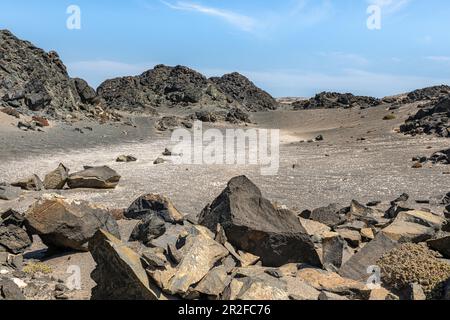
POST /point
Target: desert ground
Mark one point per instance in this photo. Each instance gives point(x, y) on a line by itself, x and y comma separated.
point(312, 174)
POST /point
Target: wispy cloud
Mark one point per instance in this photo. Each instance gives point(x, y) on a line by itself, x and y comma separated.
point(390, 6)
point(445, 59)
point(97, 71)
point(348, 58)
point(243, 22)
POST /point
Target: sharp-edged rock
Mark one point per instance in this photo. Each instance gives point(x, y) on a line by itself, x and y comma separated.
point(65, 224)
point(252, 224)
point(148, 229)
point(441, 244)
point(154, 204)
point(95, 178)
point(357, 266)
point(56, 180)
point(331, 215)
point(33, 183)
point(119, 273)
point(9, 192)
point(414, 226)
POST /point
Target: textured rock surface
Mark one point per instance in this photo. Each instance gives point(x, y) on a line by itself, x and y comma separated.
point(68, 224)
point(240, 89)
point(95, 178)
point(34, 80)
point(252, 224)
point(119, 273)
point(56, 179)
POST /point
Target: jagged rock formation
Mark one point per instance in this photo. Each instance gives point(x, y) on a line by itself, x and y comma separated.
point(33, 81)
point(331, 100)
point(431, 119)
point(430, 93)
point(239, 88)
point(182, 87)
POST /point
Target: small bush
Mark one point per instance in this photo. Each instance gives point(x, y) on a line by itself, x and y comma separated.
point(390, 117)
point(37, 267)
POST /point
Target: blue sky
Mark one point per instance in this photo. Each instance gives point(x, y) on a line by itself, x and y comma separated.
point(289, 48)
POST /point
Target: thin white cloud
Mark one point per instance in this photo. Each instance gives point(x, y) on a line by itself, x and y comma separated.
point(445, 59)
point(348, 58)
point(243, 22)
point(390, 6)
point(97, 71)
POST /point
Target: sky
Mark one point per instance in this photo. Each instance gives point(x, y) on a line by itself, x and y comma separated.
point(287, 47)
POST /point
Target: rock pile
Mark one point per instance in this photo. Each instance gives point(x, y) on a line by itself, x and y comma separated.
point(332, 100)
point(433, 119)
point(440, 157)
point(246, 248)
point(430, 93)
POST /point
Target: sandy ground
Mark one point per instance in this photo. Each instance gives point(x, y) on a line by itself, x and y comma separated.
point(338, 169)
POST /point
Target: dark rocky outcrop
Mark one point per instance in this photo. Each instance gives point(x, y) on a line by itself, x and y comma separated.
point(183, 87)
point(333, 100)
point(254, 225)
point(430, 93)
point(35, 81)
point(246, 93)
point(431, 119)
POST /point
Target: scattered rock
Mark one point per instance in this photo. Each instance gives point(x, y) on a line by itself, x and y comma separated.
point(330, 215)
point(416, 292)
point(124, 158)
point(159, 161)
point(252, 224)
point(95, 178)
point(441, 244)
point(32, 183)
point(150, 228)
point(56, 180)
point(9, 192)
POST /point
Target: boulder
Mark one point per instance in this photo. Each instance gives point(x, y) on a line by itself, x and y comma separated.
point(32, 183)
point(414, 226)
point(119, 273)
point(154, 204)
point(66, 224)
point(14, 239)
point(56, 180)
point(332, 282)
point(200, 255)
point(252, 224)
point(10, 291)
point(353, 237)
point(9, 192)
point(125, 158)
point(214, 283)
point(441, 244)
point(356, 267)
point(331, 215)
point(150, 228)
point(95, 178)
point(333, 251)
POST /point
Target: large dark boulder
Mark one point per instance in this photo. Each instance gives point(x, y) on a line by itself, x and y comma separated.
point(65, 224)
point(154, 204)
point(95, 178)
point(254, 225)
